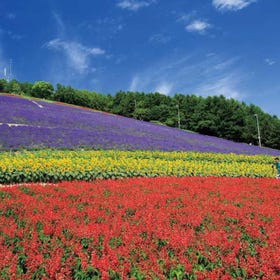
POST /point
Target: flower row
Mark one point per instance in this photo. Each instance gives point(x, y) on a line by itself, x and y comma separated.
point(141, 228)
point(40, 124)
point(53, 166)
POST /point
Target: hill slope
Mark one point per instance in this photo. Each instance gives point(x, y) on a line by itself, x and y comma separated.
point(27, 123)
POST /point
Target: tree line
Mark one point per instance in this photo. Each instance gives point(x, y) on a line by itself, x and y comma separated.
point(213, 115)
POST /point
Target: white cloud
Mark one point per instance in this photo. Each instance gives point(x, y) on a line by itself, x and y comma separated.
point(164, 88)
point(77, 54)
point(225, 64)
point(134, 5)
point(134, 84)
point(231, 5)
point(185, 18)
point(192, 74)
point(198, 26)
point(4, 62)
point(59, 23)
point(4, 65)
point(226, 86)
point(143, 83)
point(269, 61)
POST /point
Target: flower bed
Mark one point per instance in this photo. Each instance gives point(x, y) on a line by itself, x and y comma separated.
point(54, 165)
point(25, 124)
point(142, 228)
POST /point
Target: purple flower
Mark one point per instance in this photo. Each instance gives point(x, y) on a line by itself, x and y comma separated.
point(33, 124)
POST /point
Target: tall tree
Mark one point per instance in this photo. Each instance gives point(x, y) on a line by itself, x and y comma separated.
point(42, 89)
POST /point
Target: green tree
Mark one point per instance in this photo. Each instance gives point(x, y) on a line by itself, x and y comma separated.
point(26, 88)
point(14, 87)
point(125, 103)
point(142, 114)
point(42, 89)
point(3, 85)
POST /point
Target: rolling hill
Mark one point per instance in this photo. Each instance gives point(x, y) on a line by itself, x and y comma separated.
point(33, 124)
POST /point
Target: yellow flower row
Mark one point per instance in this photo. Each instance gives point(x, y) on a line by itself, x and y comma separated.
point(57, 165)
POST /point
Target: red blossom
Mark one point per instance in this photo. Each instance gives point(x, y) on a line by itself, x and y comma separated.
point(211, 228)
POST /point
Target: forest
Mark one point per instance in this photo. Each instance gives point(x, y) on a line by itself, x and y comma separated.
point(213, 115)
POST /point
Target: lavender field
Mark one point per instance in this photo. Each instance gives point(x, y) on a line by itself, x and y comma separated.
point(33, 124)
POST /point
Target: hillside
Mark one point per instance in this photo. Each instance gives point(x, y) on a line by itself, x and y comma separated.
point(32, 124)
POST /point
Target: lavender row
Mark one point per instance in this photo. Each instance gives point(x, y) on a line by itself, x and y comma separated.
point(33, 124)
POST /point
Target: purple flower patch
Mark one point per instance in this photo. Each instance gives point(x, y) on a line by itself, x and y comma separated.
point(33, 124)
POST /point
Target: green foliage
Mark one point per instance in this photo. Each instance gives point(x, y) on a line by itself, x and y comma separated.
point(179, 273)
point(21, 264)
point(3, 85)
point(80, 97)
point(26, 88)
point(42, 89)
point(89, 274)
point(14, 87)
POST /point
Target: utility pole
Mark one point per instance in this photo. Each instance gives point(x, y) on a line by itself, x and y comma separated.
point(258, 128)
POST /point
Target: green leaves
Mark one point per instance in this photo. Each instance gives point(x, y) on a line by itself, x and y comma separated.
point(42, 89)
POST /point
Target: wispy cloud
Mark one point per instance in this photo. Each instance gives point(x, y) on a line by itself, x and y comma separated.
point(193, 23)
point(134, 5)
point(198, 26)
point(59, 23)
point(14, 36)
point(164, 88)
point(186, 17)
point(108, 27)
point(202, 75)
point(225, 64)
point(269, 61)
point(77, 55)
point(231, 5)
point(134, 84)
point(4, 63)
point(10, 34)
point(226, 86)
point(11, 16)
point(70, 61)
point(157, 77)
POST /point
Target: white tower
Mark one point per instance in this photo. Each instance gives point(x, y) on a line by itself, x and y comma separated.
point(5, 73)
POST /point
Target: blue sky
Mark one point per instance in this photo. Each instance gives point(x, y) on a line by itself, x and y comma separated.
point(202, 47)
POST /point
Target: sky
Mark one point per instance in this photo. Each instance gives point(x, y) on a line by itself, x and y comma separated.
point(201, 47)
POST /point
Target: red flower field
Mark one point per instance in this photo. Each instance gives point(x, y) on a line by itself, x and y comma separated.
point(142, 228)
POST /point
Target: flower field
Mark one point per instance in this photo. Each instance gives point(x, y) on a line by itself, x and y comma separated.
point(38, 124)
point(55, 165)
point(142, 228)
point(89, 195)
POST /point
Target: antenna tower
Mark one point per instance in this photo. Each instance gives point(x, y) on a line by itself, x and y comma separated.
point(5, 73)
point(10, 70)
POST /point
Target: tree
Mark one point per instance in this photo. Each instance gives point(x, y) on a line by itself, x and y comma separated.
point(3, 85)
point(26, 88)
point(141, 114)
point(14, 87)
point(125, 103)
point(42, 89)
point(65, 94)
